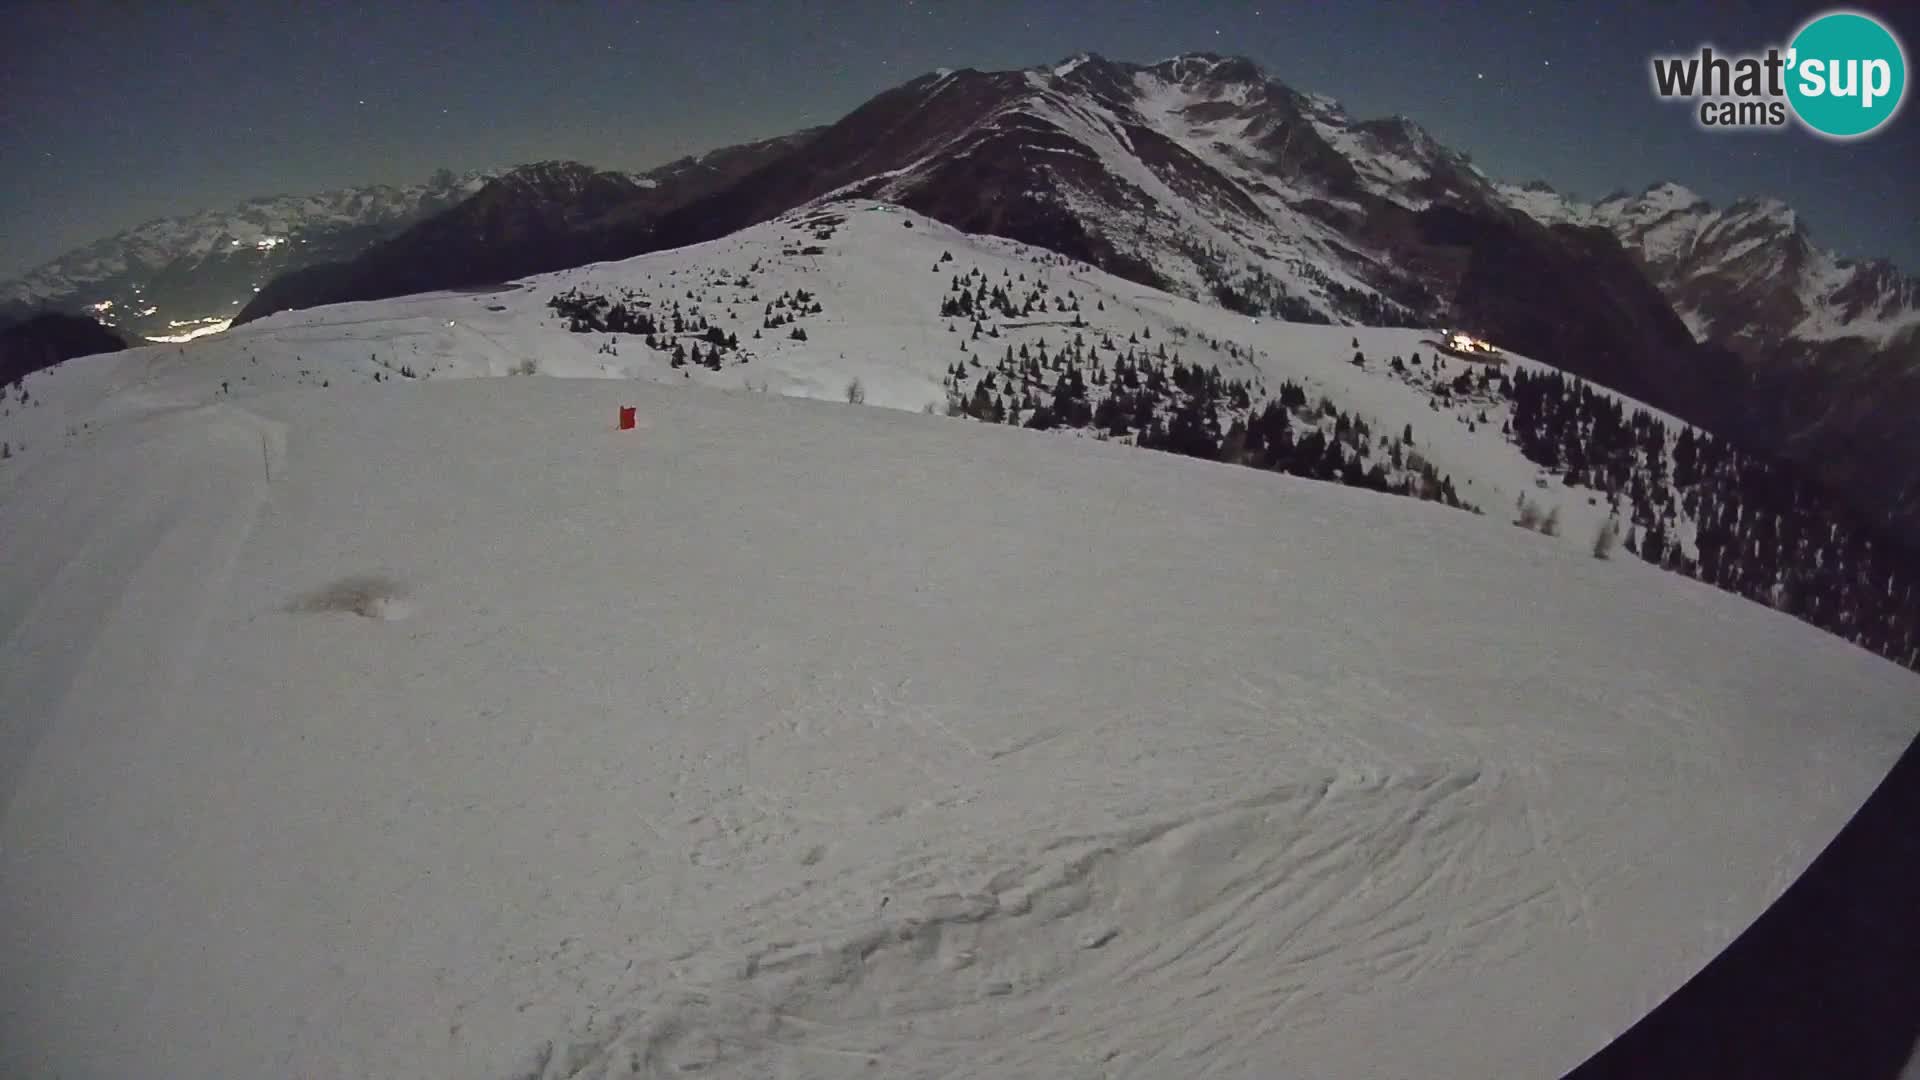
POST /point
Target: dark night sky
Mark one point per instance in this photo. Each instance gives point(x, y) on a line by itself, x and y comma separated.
point(114, 113)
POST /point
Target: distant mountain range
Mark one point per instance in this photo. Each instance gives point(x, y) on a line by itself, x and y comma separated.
point(1203, 176)
point(536, 218)
point(1748, 274)
point(173, 276)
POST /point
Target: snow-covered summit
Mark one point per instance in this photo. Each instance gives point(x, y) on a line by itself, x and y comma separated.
point(1542, 202)
point(1665, 197)
point(1749, 273)
point(1068, 66)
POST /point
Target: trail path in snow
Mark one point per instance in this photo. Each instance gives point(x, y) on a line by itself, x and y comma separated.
point(118, 552)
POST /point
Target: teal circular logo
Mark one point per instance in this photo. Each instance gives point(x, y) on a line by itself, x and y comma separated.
point(1846, 74)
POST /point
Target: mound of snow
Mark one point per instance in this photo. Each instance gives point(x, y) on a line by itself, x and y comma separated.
point(792, 738)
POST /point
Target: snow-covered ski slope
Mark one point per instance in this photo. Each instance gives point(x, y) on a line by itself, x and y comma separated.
point(878, 274)
point(794, 738)
point(440, 729)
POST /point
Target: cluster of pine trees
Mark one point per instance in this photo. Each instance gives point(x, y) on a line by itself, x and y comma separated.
point(971, 296)
point(1034, 387)
point(683, 333)
point(590, 313)
point(1344, 451)
point(787, 308)
point(1760, 528)
point(1260, 296)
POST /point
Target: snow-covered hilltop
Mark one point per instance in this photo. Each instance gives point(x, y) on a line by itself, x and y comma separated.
point(922, 316)
point(868, 292)
point(440, 728)
point(172, 276)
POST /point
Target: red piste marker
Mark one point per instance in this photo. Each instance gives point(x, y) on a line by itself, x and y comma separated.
point(627, 417)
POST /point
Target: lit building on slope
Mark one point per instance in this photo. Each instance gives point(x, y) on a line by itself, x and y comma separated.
point(1465, 345)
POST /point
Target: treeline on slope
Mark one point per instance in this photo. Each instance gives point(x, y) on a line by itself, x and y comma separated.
point(1762, 529)
point(1138, 391)
point(1162, 403)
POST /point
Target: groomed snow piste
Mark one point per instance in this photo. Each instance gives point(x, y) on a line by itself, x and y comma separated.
point(440, 729)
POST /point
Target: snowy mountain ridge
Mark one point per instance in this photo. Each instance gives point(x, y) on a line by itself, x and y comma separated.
point(1283, 225)
point(1199, 174)
point(1747, 274)
point(528, 220)
point(1204, 177)
point(176, 278)
point(198, 269)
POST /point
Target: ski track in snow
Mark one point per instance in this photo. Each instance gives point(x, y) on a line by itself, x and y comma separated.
point(790, 738)
point(1317, 887)
point(165, 550)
